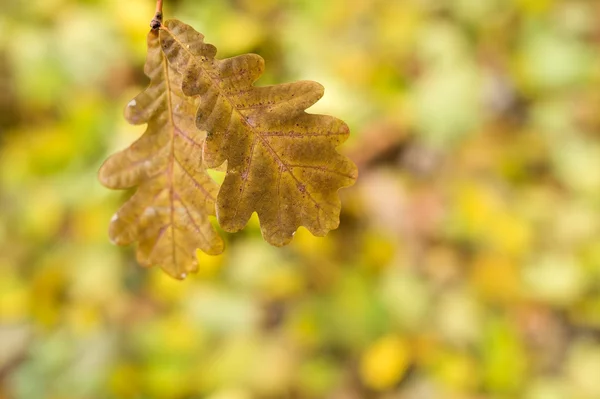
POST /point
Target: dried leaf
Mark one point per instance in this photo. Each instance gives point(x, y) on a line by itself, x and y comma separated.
point(282, 161)
point(168, 214)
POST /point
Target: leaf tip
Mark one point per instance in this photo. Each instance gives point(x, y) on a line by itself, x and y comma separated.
point(278, 240)
point(258, 64)
point(216, 247)
point(131, 112)
point(353, 173)
point(181, 276)
point(104, 175)
point(316, 89)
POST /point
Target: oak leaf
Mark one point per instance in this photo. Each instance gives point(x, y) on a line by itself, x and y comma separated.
point(169, 213)
point(281, 161)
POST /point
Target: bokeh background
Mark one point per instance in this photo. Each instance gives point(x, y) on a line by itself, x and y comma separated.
point(467, 264)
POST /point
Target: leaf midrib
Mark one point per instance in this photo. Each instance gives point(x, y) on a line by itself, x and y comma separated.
point(173, 194)
point(171, 155)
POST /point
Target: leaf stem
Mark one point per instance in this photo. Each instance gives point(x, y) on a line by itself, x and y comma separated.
point(158, 16)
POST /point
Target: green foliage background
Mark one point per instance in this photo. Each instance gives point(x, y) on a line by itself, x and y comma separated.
point(467, 264)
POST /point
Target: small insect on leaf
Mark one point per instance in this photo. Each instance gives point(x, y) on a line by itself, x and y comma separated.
point(168, 214)
point(282, 161)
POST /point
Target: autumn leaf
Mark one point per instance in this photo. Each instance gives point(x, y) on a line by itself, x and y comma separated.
point(281, 161)
point(168, 214)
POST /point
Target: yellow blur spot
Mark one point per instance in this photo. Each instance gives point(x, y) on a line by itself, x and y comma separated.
point(253, 222)
point(166, 380)
point(83, 318)
point(378, 251)
point(534, 6)
point(124, 381)
point(484, 216)
point(46, 289)
point(425, 347)
point(310, 245)
point(239, 34)
point(209, 266)
point(305, 329)
point(476, 206)
point(385, 362)
point(282, 282)
point(457, 371)
point(133, 17)
point(496, 278)
point(89, 221)
point(179, 335)
point(14, 300)
point(509, 234)
point(165, 287)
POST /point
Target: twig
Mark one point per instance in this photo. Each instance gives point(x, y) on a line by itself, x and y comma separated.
point(158, 16)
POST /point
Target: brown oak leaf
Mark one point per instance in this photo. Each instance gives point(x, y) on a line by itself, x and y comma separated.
point(281, 161)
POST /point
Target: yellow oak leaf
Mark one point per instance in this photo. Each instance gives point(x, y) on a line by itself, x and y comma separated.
point(169, 213)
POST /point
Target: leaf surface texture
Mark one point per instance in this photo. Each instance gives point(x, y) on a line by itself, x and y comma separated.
point(281, 161)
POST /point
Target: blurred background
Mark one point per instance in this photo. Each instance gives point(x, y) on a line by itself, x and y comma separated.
point(467, 264)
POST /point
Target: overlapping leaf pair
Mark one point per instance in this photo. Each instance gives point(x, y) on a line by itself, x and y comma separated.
point(281, 161)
